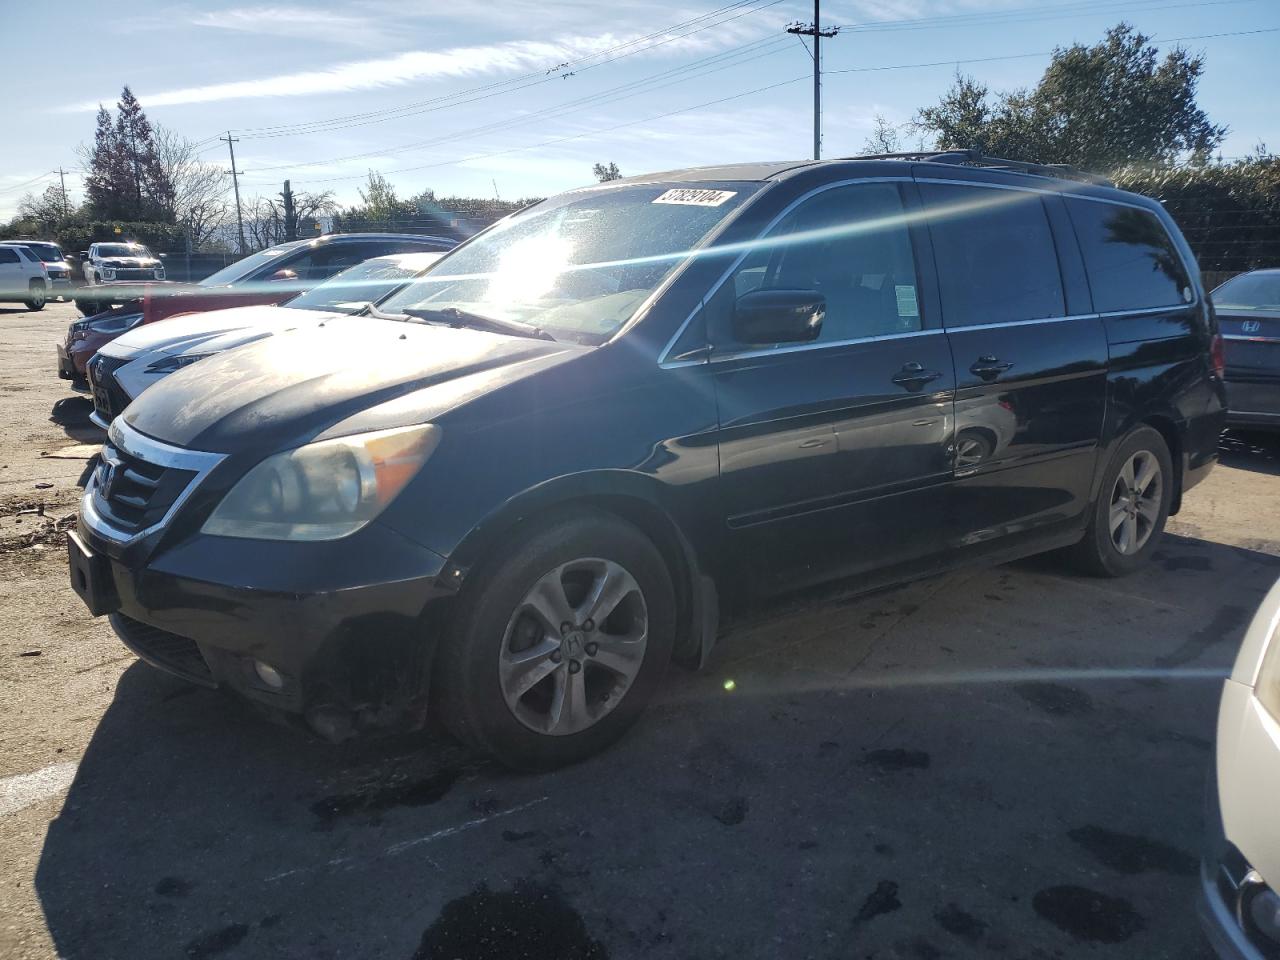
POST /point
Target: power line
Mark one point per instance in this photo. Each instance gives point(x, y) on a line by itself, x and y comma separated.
point(28, 183)
point(766, 47)
point(568, 68)
point(900, 66)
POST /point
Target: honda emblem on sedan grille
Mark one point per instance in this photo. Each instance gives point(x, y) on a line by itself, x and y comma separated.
point(1251, 326)
point(106, 478)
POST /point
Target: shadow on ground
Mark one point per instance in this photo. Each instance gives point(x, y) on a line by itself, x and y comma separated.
point(1256, 450)
point(72, 415)
point(1000, 760)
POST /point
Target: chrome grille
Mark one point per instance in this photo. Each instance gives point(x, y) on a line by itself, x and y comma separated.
point(138, 483)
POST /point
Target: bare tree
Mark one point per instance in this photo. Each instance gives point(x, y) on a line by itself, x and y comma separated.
point(264, 216)
point(885, 137)
point(200, 189)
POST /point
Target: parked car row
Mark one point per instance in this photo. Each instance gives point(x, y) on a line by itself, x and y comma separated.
point(269, 276)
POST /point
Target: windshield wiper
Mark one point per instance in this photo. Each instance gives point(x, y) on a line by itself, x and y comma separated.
point(464, 318)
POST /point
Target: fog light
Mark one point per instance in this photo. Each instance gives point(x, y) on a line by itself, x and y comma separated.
point(268, 674)
point(1264, 910)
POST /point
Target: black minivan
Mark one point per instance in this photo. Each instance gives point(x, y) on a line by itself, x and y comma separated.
point(537, 473)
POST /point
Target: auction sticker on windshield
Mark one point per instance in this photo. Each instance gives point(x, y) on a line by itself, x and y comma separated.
point(697, 198)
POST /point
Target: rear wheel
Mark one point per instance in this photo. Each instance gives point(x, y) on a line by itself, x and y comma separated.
point(1131, 509)
point(36, 295)
point(557, 647)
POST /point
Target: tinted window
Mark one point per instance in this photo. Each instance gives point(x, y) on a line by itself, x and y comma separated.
point(27, 255)
point(852, 245)
point(8, 255)
point(996, 258)
point(1131, 261)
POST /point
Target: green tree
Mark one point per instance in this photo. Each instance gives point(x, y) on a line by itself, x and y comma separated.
point(124, 177)
point(606, 172)
point(1096, 107)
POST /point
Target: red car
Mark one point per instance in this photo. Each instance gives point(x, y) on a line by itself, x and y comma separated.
point(269, 276)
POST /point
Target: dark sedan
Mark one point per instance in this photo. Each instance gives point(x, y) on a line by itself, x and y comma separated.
point(1249, 311)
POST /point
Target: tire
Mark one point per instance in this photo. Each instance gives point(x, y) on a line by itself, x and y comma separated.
point(36, 296)
point(1111, 549)
point(492, 648)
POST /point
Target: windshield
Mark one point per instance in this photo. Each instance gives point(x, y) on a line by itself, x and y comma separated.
point(1250, 291)
point(578, 265)
point(123, 250)
point(48, 252)
point(356, 287)
point(243, 267)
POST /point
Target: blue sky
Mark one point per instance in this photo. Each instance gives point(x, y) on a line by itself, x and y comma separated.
point(461, 96)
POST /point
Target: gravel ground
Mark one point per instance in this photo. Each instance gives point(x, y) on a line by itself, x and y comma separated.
point(1005, 761)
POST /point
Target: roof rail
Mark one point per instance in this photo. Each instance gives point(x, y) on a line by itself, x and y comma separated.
point(976, 158)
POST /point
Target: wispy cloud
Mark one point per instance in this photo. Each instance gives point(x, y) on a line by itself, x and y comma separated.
point(299, 23)
point(416, 65)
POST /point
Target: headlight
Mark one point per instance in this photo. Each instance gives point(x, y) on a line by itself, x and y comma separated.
point(118, 324)
point(324, 490)
point(1268, 687)
point(159, 271)
point(170, 364)
point(108, 273)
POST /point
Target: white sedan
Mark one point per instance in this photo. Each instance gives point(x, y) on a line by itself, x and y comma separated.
point(1240, 874)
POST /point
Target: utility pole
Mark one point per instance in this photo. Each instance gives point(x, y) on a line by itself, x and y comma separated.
point(235, 182)
point(815, 30)
point(66, 211)
point(290, 213)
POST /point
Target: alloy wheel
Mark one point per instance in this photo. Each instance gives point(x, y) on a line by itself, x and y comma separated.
point(1135, 502)
point(574, 646)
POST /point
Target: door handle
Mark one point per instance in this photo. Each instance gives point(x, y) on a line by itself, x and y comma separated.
point(913, 376)
point(988, 368)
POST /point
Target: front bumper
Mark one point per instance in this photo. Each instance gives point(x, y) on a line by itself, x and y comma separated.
point(1223, 886)
point(349, 627)
point(66, 369)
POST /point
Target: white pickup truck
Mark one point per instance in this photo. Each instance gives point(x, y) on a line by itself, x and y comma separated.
point(109, 262)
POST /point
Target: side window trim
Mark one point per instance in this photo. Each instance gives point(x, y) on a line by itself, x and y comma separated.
point(663, 360)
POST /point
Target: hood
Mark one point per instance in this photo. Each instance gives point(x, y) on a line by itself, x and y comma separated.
point(130, 262)
point(180, 334)
point(282, 391)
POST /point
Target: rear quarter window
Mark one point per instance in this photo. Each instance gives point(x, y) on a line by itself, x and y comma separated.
point(1131, 260)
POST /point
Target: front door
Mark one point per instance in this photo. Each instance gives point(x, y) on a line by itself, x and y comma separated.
point(834, 454)
point(1031, 372)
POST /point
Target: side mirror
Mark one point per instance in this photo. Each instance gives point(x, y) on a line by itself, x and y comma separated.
point(163, 256)
point(283, 274)
point(778, 316)
point(84, 254)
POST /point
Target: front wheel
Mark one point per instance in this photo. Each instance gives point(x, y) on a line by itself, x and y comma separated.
point(1132, 506)
point(36, 296)
point(557, 647)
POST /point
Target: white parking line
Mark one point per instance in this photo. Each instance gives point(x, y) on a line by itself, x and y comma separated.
point(22, 790)
point(403, 845)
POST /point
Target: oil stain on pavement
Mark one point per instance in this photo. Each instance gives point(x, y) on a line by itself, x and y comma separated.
point(1056, 699)
point(404, 793)
point(531, 922)
point(1087, 914)
point(217, 941)
point(883, 899)
point(1126, 853)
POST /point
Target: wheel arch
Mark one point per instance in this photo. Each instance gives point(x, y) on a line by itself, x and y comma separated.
point(1167, 424)
point(632, 497)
